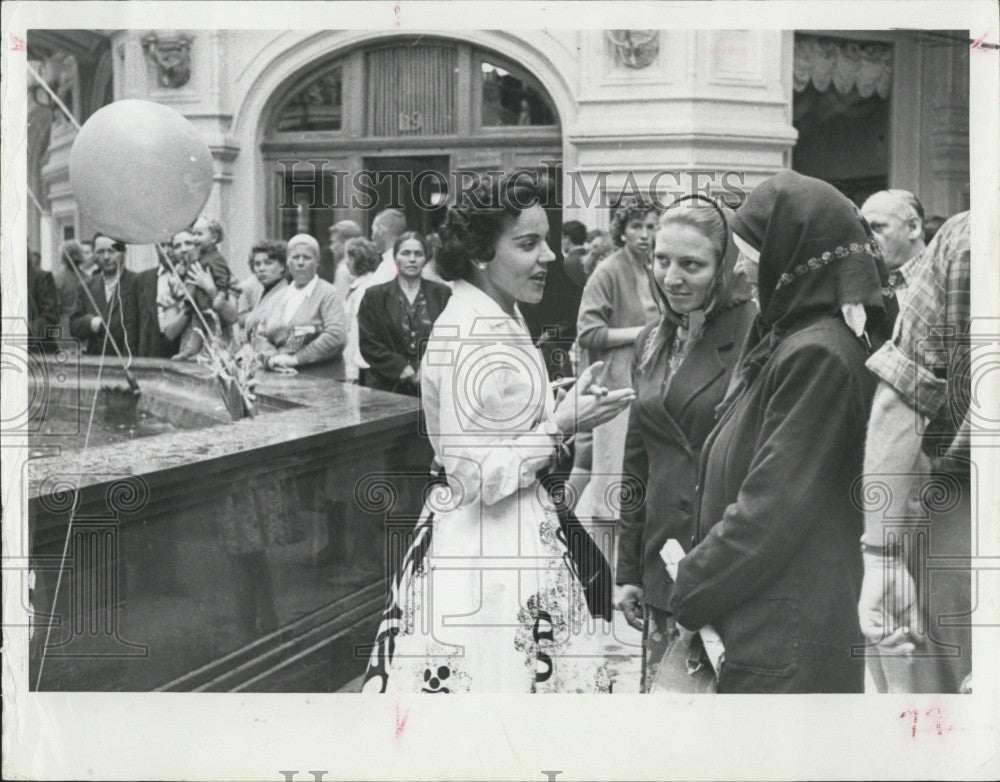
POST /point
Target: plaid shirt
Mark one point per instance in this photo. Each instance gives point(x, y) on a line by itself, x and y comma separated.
point(931, 339)
point(899, 278)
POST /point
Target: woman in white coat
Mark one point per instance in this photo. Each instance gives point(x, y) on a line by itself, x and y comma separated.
point(494, 601)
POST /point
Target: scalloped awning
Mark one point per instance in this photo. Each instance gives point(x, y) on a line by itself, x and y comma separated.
point(822, 61)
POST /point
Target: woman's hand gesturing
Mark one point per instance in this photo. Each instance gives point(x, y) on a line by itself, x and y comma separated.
point(588, 405)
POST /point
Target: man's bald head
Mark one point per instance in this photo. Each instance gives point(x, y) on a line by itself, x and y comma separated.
point(387, 227)
point(897, 219)
point(345, 229)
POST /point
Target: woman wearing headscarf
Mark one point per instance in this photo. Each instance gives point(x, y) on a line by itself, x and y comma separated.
point(683, 366)
point(775, 566)
point(306, 325)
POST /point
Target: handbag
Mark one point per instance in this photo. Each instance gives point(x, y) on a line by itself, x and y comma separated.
point(685, 667)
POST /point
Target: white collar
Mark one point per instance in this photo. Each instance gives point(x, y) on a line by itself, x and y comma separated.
point(360, 281)
point(855, 317)
point(481, 302)
point(306, 290)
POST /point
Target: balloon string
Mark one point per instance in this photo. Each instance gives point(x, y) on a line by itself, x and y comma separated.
point(55, 97)
point(197, 311)
point(34, 200)
point(72, 515)
point(107, 326)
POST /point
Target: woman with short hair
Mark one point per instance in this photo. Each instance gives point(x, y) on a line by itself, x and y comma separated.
point(269, 276)
point(363, 258)
point(305, 325)
point(395, 319)
point(617, 304)
point(492, 421)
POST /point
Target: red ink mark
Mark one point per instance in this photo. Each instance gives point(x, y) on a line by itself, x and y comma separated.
point(934, 713)
point(978, 43)
point(17, 44)
point(401, 722)
point(395, 12)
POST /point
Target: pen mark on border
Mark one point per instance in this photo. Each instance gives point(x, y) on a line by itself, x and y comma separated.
point(401, 722)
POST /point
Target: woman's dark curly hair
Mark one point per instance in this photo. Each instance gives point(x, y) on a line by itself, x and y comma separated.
point(276, 250)
point(472, 227)
point(627, 210)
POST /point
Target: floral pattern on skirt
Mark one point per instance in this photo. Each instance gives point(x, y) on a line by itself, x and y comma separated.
point(551, 638)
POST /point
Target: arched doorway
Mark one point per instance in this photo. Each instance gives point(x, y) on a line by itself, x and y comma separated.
point(403, 123)
point(393, 124)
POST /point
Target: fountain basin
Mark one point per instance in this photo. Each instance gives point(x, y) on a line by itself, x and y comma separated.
point(207, 554)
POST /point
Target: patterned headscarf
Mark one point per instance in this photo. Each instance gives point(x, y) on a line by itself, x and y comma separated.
point(816, 254)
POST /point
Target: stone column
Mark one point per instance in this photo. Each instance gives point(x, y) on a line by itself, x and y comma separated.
point(945, 157)
point(930, 121)
point(680, 111)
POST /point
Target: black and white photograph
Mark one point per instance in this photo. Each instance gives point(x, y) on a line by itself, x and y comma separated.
point(358, 352)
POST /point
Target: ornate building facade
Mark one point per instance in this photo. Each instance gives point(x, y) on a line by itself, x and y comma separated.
point(293, 118)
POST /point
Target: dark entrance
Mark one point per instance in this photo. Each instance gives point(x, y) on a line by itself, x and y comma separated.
point(418, 186)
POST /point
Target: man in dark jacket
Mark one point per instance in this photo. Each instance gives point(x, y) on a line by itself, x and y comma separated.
point(574, 237)
point(43, 301)
point(116, 293)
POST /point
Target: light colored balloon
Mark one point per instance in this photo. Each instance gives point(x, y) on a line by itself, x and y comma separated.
point(140, 171)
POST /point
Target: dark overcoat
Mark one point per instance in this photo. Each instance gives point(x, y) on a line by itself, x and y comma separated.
point(665, 435)
point(777, 566)
point(383, 343)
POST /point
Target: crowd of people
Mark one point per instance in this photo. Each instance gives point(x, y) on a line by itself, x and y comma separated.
point(738, 375)
point(299, 309)
point(746, 373)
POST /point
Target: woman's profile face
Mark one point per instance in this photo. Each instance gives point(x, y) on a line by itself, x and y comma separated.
point(638, 234)
point(520, 259)
point(410, 258)
point(684, 266)
point(302, 263)
point(266, 269)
